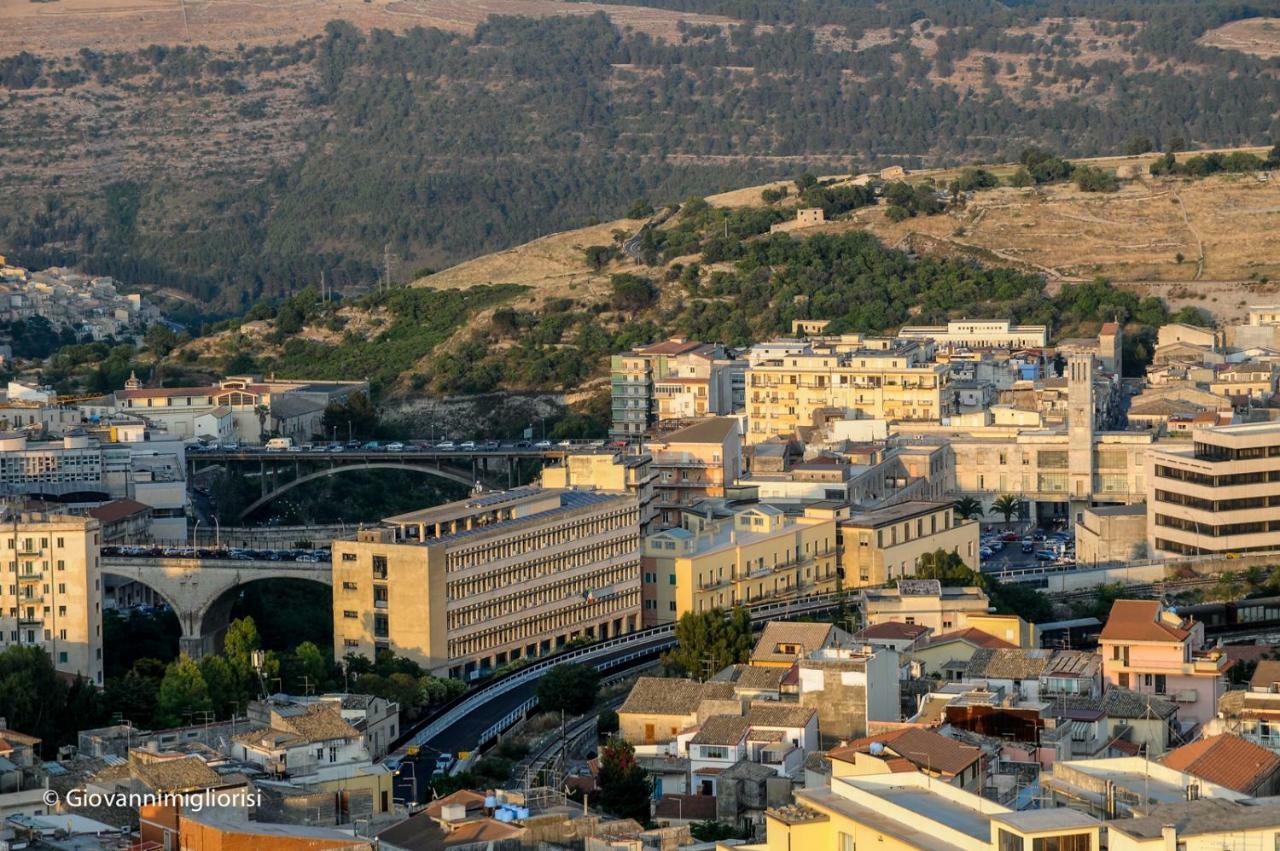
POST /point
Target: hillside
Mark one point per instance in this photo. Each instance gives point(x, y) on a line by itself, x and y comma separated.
point(255, 145)
point(1225, 228)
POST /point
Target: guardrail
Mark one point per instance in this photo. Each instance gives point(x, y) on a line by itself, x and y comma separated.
point(655, 639)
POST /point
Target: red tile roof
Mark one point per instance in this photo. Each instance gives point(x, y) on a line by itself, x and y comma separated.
point(894, 630)
point(1227, 760)
point(973, 635)
point(924, 748)
point(1139, 620)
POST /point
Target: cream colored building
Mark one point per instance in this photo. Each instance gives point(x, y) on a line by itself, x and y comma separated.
point(54, 593)
point(926, 602)
point(614, 473)
point(1218, 495)
point(980, 334)
point(694, 463)
point(897, 381)
point(1200, 825)
point(676, 378)
point(1246, 383)
point(1111, 534)
point(888, 543)
point(478, 583)
point(758, 553)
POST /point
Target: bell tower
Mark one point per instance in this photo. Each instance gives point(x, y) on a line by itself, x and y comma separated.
point(1080, 422)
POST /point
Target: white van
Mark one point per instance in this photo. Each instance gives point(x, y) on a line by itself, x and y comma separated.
point(278, 443)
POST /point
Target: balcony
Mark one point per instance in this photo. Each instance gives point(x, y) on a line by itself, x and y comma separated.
point(29, 574)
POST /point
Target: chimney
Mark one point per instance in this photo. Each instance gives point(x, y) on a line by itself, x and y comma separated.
point(1169, 837)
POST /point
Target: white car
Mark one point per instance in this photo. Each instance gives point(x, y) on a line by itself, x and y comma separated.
point(394, 447)
point(542, 444)
point(447, 445)
point(467, 445)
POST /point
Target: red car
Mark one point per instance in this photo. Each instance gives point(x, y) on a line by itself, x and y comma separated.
point(1010, 537)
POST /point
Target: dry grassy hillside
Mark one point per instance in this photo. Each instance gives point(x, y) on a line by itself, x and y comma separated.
point(68, 25)
point(1212, 242)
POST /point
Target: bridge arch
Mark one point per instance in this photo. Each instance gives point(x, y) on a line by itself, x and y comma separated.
point(192, 587)
point(452, 475)
point(188, 624)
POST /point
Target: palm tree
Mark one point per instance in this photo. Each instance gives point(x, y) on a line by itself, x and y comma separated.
point(1008, 506)
point(968, 508)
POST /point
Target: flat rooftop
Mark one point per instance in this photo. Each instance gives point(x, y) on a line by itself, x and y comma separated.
point(893, 513)
point(911, 835)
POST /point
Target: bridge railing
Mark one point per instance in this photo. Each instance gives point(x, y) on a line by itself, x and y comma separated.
point(646, 641)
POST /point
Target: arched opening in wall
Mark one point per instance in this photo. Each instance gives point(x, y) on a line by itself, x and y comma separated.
point(285, 611)
point(138, 624)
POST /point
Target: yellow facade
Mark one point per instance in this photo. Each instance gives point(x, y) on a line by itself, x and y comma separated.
point(479, 583)
point(54, 597)
point(1010, 628)
point(889, 543)
point(785, 392)
point(757, 554)
point(910, 811)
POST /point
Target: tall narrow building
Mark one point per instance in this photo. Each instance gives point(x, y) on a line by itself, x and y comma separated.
point(1080, 427)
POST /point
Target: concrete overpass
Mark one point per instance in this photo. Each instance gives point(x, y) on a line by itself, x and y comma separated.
point(201, 592)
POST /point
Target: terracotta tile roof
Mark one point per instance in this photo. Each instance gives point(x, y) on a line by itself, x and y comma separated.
point(972, 635)
point(686, 807)
point(809, 637)
point(660, 696)
point(710, 430)
point(721, 730)
point(1265, 675)
point(923, 748)
point(1227, 760)
point(319, 723)
point(473, 801)
point(773, 713)
point(1015, 663)
point(672, 346)
point(164, 392)
point(1121, 702)
point(893, 631)
point(176, 775)
point(1139, 620)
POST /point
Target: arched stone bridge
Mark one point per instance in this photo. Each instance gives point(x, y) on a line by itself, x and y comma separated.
point(201, 592)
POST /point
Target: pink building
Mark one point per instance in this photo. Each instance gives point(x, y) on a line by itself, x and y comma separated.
point(1153, 651)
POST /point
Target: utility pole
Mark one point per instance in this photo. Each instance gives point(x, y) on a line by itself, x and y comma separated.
point(386, 265)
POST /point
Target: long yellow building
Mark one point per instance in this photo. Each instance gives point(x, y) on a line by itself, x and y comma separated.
point(475, 584)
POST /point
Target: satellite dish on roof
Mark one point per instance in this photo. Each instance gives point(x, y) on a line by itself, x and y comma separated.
point(877, 748)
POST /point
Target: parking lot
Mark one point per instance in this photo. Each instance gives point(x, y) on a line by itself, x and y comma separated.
point(1009, 555)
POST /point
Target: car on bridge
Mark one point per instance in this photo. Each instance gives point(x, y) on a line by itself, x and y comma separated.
point(447, 445)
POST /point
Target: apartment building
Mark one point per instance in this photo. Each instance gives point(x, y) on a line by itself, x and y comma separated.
point(1151, 650)
point(1217, 495)
point(1202, 824)
point(757, 553)
point(1255, 712)
point(672, 379)
point(897, 380)
point(888, 543)
point(475, 584)
point(909, 810)
point(694, 463)
point(1246, 384)
point(979, 334)
point(53, 599)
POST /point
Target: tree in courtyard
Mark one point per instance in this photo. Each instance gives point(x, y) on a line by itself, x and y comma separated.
point(625, 789)
point(1007, 506)
point(709, 641)
point(968, 508)
point(570, 688)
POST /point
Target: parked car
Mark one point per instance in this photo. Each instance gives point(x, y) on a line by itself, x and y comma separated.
point(1028, 547)
point(985, 552)
point(394, 446)
point(489, 445)
point(447, 445)
point(468, 445)
point(542, 444)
